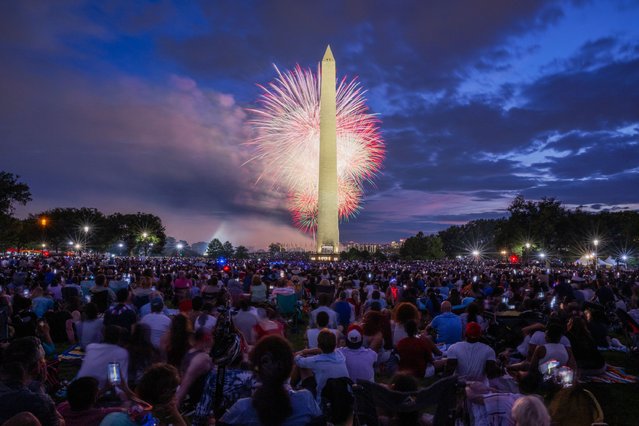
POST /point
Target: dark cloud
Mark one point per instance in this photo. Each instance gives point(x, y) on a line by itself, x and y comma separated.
point(141, 106)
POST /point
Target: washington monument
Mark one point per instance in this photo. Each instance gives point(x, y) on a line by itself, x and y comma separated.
point(327, 214)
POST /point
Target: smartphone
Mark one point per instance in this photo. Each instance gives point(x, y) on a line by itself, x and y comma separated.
point(25, 292)
point(566, 376)
point(475, 279)
point(540, 295)
point(87, 298)
point(113, 373)
point(153, 288)
point(551, 366)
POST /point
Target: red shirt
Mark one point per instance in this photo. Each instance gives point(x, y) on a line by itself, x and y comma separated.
point(414, 354)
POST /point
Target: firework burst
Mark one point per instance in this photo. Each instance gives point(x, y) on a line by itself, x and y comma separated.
point(287, 124)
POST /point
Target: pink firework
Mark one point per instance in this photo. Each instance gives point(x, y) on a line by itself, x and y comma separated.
point(287, 141)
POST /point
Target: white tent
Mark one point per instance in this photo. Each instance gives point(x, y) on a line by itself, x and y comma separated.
point(611, 261)
point(583, 260)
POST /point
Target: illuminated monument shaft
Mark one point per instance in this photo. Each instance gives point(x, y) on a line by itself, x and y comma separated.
point(327, 215)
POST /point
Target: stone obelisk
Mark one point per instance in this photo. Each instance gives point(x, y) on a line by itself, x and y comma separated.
point(327, 238)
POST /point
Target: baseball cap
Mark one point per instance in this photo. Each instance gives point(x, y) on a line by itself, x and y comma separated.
point(354, 334)
point(473, 330)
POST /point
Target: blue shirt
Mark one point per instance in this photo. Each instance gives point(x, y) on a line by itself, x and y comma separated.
point(304, 410)
point(449, 328)
point(41, 305)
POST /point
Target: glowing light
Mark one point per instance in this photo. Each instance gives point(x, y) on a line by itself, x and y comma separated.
point(503, 252)
point(596, 242)
point(78, 246)
point(70, 243)
point(624, 257)
point(144, 235)
point(475, 253)
point(43, 245)
point(180, 246)
point(44, 221)
point(287, 142)
point(527, 245)
point(120, 245)
point(542, 255)
point(86, 229)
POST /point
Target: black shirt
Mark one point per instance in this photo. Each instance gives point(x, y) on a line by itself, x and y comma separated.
point(16, 398)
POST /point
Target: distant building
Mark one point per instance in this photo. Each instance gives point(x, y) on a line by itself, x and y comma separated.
point(369, 247)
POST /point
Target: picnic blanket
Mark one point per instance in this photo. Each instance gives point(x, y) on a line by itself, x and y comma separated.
point(72, 353)
point(612, 375)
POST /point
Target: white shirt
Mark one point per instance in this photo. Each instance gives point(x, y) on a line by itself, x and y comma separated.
point(539, 339)
point(471, 359)
point(159, 325)
point(360, 363)
point(97, 359)
point(332, 316)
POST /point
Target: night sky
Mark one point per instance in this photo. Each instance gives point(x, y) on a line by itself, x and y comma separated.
point(141, 106)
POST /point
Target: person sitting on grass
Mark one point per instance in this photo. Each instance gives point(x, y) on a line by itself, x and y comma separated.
point(325, 363)
point(471, 359)
point(415, 353)
point(79, 408)
point(322, 323)
point(273, 403)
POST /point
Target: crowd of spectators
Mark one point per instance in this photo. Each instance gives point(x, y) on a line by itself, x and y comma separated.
point(193, 341)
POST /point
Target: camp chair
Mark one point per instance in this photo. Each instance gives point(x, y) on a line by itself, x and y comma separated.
point(442, 393)
point(287, 307)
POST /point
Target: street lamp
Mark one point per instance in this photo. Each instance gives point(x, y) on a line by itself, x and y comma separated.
point(596, 243)
point(78, 246)
point(86, 229)
point(120, 245)
point(144, 235)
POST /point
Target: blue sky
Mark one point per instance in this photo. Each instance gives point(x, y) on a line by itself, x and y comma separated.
point(141, 106)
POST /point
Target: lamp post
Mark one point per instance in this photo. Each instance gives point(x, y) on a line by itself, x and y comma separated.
point(596, 243)
point(179, 247)
point(527, 245)
point(86, 229)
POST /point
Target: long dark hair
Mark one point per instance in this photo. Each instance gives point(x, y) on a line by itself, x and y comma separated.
point(272, 359)
point(472, 310)
point(179, 343)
